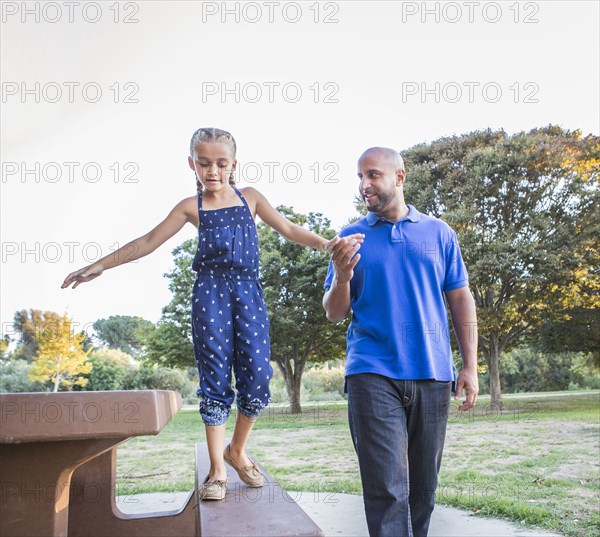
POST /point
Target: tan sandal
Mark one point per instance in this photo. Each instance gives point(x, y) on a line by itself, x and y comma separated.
point(213, 490)
point(250, 475)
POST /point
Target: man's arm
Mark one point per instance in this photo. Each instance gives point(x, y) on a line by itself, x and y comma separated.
point(464, 320)
point(336, 300)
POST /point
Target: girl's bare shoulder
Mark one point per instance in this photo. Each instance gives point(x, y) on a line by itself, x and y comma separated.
point(252, 196)
point(249, 191)
point(188, 207)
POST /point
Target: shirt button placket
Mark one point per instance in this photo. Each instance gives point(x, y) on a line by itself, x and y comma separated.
point(397, 232)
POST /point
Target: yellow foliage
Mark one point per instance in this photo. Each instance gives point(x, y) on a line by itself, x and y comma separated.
point(3, 347)
point(60, 357)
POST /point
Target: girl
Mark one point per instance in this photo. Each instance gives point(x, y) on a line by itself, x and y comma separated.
point(229, 317)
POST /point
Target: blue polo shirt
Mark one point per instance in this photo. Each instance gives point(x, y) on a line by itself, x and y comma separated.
point(399, 325)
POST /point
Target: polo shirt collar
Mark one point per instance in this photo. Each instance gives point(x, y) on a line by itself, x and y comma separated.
point(413, 215)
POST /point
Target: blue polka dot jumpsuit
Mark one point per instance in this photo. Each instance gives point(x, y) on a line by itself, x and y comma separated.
point(230, 323)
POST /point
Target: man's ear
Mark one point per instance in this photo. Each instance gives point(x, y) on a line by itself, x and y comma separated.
point(191, 163)
point(400, 177)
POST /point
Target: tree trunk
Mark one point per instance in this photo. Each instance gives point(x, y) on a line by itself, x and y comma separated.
point(57, 380)
point(294, 387)
point(493, 362)
point(292, 369)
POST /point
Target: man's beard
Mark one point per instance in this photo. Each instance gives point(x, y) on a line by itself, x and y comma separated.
point(383, 200)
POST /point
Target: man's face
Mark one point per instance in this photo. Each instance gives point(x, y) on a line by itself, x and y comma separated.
point(379, 179)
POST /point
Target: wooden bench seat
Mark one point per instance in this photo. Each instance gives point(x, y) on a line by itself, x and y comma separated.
point(268, 511)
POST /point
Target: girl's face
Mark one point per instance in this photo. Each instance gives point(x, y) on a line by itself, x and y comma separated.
point(213, 163)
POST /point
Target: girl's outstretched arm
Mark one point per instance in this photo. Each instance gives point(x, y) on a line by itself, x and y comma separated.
point(287, 229)
point(185, 211)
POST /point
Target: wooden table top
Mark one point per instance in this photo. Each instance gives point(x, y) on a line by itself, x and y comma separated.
point(61, 416)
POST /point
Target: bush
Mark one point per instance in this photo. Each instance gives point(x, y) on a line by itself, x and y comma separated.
point(156, 377)
point(323, 383)
point(110, 368)
point(584, 372)
point(526, 369)
point(14, 378)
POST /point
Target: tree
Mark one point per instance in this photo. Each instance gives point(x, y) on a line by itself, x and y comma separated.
point(170, 343)
point(123, 332)
point(26, 326)
point(579, 328)
point(579, 332)
point(525, 209)
point(292, 277)
point(110, 368)
point(60, 357)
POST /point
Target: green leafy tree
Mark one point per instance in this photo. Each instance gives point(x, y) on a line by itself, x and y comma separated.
point(292, 277)
point(170, 343)
point(525, 208)
point(579, 332)
point(579, 328)
point(123, 332)
point(26, 325)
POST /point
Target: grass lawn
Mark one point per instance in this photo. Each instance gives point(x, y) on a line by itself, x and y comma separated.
point(537, 461)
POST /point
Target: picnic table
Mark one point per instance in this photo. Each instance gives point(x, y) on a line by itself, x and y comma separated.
point(46, 438)
point(58, 454)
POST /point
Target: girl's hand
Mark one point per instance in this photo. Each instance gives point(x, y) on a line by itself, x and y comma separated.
point(82, 275)
point(358, 237)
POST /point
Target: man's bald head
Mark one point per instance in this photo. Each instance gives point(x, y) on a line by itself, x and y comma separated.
point(389, 155)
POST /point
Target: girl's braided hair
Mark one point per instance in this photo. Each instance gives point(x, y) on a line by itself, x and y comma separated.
point(211, 134)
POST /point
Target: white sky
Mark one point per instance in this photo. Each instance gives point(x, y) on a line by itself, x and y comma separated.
point(374, 61)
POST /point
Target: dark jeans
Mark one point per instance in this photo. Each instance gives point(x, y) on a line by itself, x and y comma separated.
point(398, 428)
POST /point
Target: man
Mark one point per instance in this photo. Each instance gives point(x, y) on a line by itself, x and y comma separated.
point(399, 368)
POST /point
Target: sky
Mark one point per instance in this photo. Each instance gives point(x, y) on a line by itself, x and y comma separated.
point(100, 99)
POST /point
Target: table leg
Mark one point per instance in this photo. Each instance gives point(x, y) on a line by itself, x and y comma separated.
point(35, 481)
point(93, 510)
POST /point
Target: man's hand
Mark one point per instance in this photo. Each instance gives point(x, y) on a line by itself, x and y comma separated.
point(336, 300)
point(468, 381)
point(329, 246)
point(345, 258)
